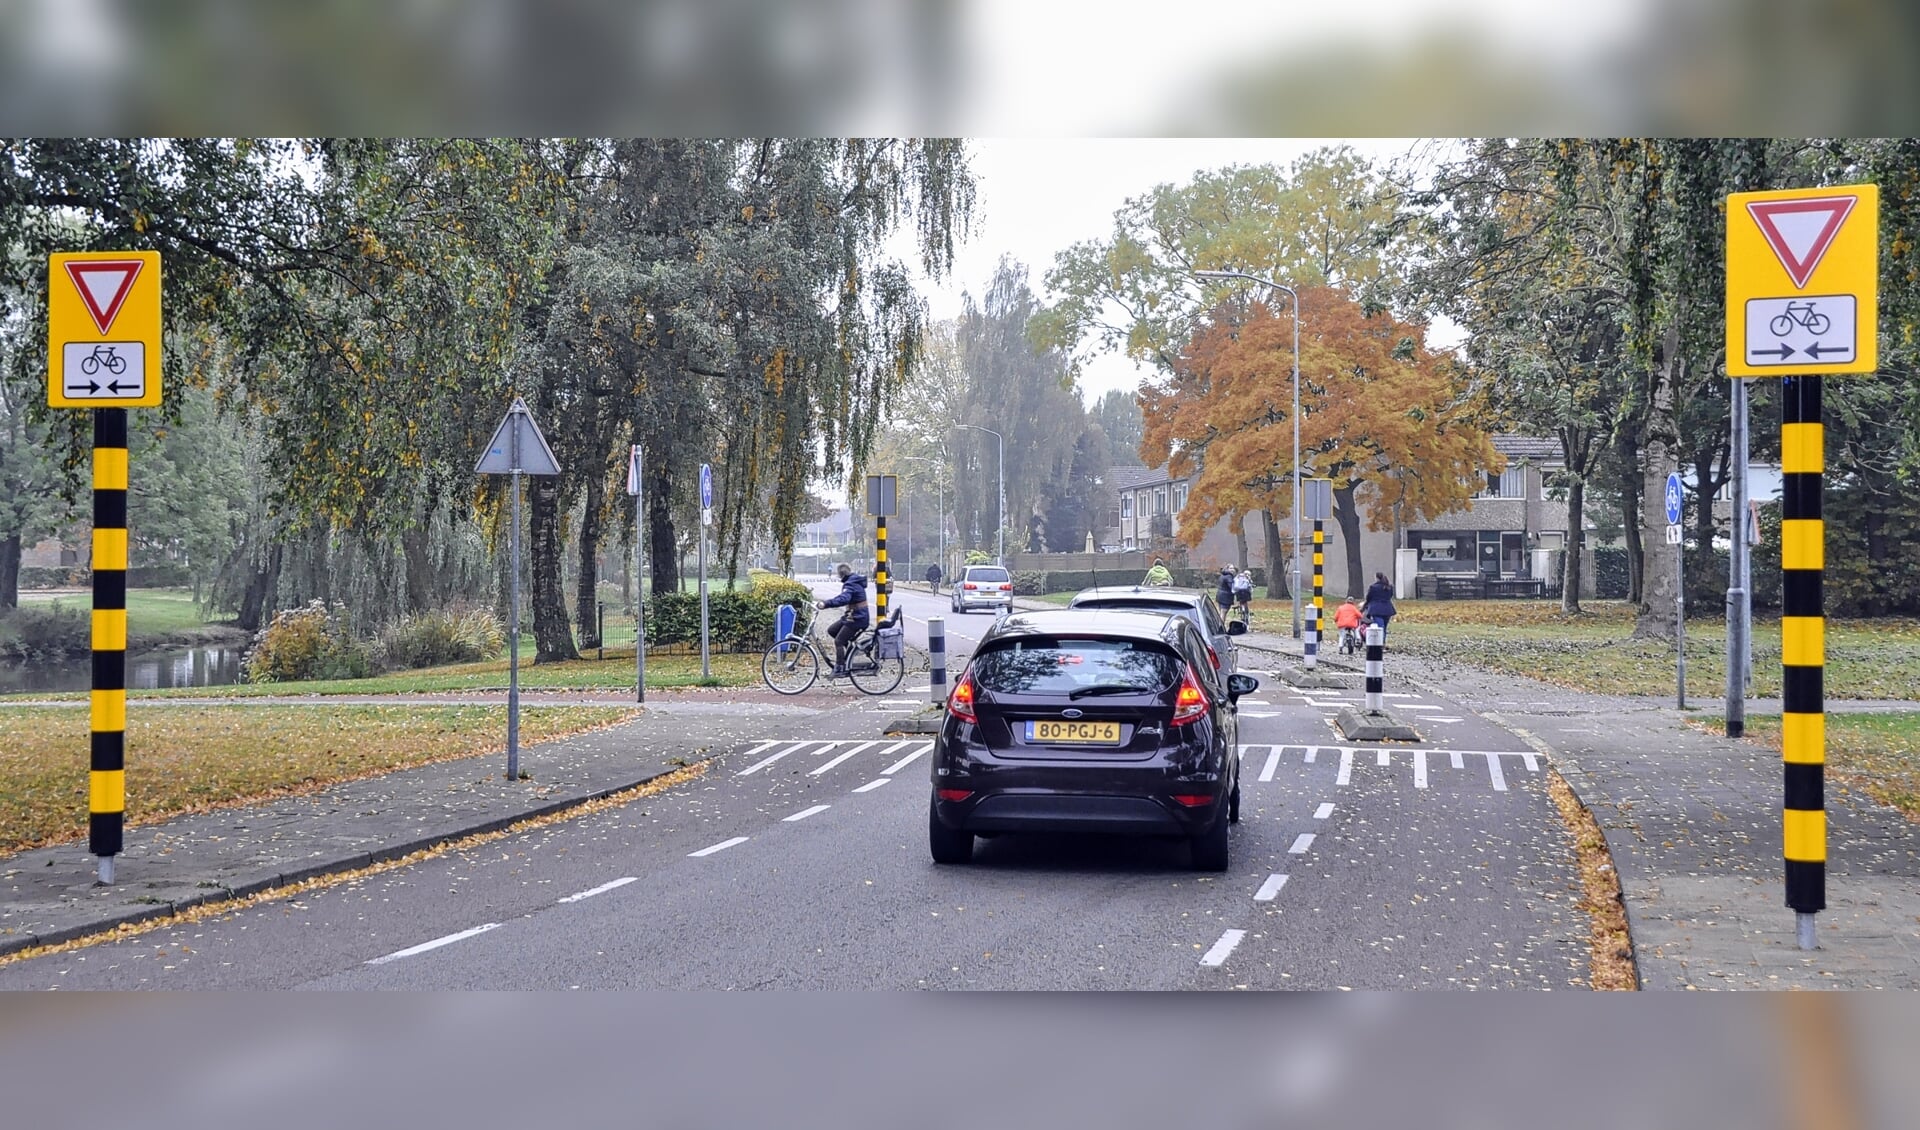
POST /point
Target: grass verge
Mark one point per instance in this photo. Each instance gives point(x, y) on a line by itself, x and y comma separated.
point(194, 758)
point(228, 907)
point(1610, 947)
point(1877, 753)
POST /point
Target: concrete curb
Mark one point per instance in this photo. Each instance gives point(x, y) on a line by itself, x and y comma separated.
point(351, 861)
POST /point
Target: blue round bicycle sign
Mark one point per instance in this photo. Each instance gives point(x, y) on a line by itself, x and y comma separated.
point(1674, 497)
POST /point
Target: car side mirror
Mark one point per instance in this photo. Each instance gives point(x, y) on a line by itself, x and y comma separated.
point(1236, 627)
point(1238, 685)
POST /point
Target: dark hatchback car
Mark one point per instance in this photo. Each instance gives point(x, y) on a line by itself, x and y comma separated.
point(1079, 721)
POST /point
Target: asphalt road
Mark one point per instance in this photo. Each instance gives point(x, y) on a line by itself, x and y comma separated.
point(800, 861)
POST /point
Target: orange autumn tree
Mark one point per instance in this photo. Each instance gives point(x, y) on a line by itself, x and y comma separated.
point(1387, 419)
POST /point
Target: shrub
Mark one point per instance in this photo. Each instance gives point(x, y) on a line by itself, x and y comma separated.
point(978, 557)
point(308, 643)
point(44, 577)
point(1029, 582)
point(450, 635)
point(46, 631)
point(777, 589)
point(736, 621)
point(1611, 576)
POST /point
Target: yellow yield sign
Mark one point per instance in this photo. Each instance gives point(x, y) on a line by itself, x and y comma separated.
point(1803, 272)
point(103, 329)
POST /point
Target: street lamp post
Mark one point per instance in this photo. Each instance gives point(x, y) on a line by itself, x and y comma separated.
point(1294, 295)
point(1000, 510)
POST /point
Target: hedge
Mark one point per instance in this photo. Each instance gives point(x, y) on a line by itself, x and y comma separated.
point(741, 620)
point(1611, 576)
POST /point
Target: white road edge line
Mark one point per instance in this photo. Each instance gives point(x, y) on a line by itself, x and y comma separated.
point(1301, 844)
point(721, 846)
point(830, 764)
point(599, 890)
point(1346, 768)
point(1494, 774)
point(1324, 811)
point(1218, 954)
point(872, 785)
point(805, 812)
point(1270, 888)
point(434, 944)
point(1419, 768)
point(1273, 762)
point(907, 760)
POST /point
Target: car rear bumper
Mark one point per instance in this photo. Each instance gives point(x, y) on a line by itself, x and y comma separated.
point(1074, 812)
point(972, 600)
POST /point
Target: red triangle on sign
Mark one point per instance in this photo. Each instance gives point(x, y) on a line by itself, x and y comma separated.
point(1800, 231)
point(103, 285)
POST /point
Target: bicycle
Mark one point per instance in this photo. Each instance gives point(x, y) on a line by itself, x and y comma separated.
point(792, 664)
point(1802, 314)
point(103, 355)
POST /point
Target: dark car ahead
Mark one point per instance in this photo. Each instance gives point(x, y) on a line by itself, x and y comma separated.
point(1078, 721)
point(1200, 608)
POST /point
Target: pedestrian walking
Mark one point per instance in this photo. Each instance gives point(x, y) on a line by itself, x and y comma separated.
point(1224, 593)
point(1379, 603)
point(1243, 595)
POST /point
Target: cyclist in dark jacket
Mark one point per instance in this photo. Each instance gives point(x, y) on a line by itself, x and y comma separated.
point(853, 597)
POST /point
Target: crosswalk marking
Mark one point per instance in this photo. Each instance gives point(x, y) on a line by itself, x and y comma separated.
point(824, 766)
point(1419, 768)
point(759, 765)
point(1346, 768)
point(1273, 762)
point(1312, 750)
point(1454, 755)
point(907, 760)
point(1498, 778)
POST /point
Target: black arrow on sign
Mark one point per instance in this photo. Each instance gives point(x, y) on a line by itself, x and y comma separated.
point(90, 387)
point(1815, 350)
point(1784, 352)
point(118, 387)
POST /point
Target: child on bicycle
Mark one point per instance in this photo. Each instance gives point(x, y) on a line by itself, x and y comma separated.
point(1347, 619)
point(1243, 595)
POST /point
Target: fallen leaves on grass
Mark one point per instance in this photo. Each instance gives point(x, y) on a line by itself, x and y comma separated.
point(1875, 752)
point(183, 759)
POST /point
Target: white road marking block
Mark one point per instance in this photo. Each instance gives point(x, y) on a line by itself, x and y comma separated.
point(1419, 706)
point(1494, 774)
point(1324, 811)
point(908, 759)
point(830, 764)
point(1301, 843)
point(1531, 761)
point(1454, 756)
point(762, 747)
point(721, 846)
point(599, 890)
point(1419, 768)
point(759, 765)
point(1223, 947)
point(1312, 752)
point(1382, 758)
point(872, 785)
point(435, 944)
point(1273, 762)
point(805, 812)
point(1270, 888)
point(1346, 768)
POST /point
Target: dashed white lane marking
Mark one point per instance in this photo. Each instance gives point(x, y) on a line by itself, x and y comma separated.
point(805, 812)
point(1223, 947)
point(1324, 811)
point(1531, 761)
point(1273, 762)
point(721, 846)
point(1494, 774)
point(435, 944)
point(1454, 756)
point(599, 890)
point(759, 765)
point(900, 701)
point(1313, 751)
point(1255, 702)
point(1270, 888)
point(1301, 843)
point(830, 764)
point(872, 785)
point(1419, 706)
point(1346, 767)
point(907, 760)
point(1382, 758)
point(1419, 768)
point(1437, 718)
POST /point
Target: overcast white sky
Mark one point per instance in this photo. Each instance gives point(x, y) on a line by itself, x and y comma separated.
point(1038, 196)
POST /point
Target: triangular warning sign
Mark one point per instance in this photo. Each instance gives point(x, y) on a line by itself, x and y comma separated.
point(103, 285)
point(517, 447)
point(1800, 231)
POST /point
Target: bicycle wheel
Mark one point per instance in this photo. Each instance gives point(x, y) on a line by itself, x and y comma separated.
point(1782, 325)
point(876, 676)
point(1818, 324)
point(790, 666)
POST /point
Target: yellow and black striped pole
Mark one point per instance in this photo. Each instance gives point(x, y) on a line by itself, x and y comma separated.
point(1803, 651)
point(1312, 647)
point(880, 568)
point(106, 783)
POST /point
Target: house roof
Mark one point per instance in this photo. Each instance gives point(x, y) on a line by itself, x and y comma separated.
point(1539, 449)
point(1127, 478)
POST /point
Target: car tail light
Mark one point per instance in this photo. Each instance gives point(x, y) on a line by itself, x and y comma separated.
point(1191, 703)
point(960, 702)
point(1213, 657)
point(1192, 800)
point(953, 794)
point(970, 586)
point(1006, 588)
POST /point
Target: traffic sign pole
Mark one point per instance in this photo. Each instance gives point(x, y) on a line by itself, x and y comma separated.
point(1739, 601)
point(635, 486)
point(107, 776)
point(1803, 734)
point(706, 519)
point(1676, 497)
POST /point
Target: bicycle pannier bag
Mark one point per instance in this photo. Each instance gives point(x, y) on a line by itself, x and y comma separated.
point(891, 643)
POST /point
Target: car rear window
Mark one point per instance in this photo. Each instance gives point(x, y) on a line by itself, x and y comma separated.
point(1133, 604)
point(1062, 665)
point(986, 574)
